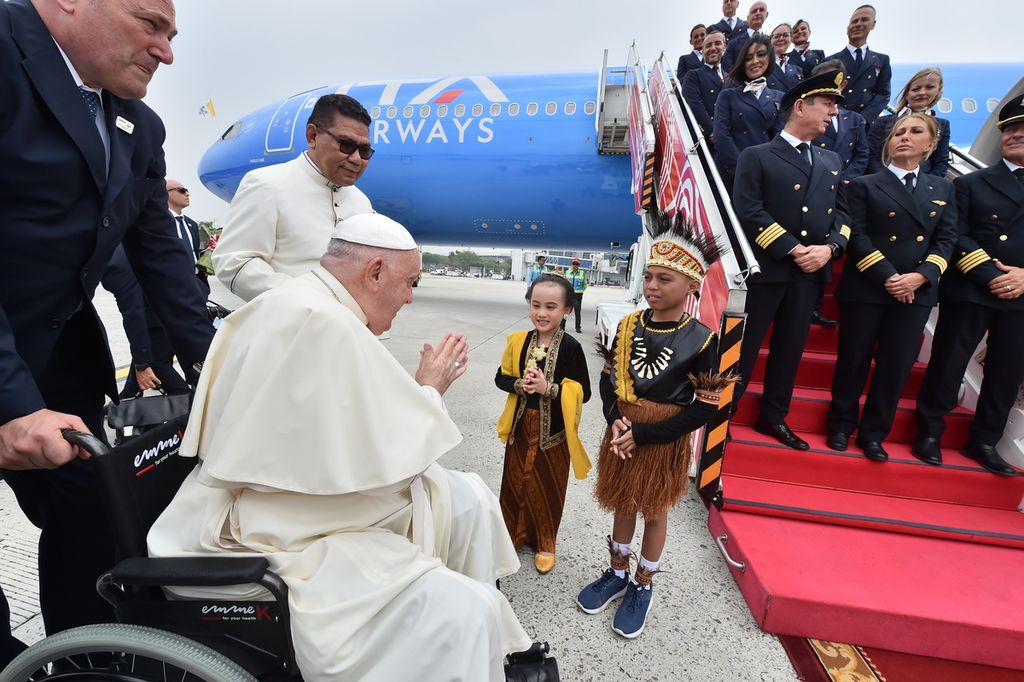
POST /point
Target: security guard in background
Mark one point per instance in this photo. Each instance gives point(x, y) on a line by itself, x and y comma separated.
point(536, 270)
point(904, 231)
point(787, 199)
point(579, 281)
point(983, 293)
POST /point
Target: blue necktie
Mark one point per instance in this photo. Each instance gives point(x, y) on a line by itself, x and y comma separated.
point(860, 59)
point(91, 100)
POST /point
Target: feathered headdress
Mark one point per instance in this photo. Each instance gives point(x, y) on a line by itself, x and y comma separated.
point(682, 246)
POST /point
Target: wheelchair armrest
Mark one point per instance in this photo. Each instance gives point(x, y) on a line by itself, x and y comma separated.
point(190, 571)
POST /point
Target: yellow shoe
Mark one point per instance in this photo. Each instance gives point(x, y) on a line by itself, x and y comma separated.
point(544, 562)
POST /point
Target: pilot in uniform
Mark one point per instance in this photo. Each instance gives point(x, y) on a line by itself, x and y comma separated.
point(982, 293)
point(903, 222)
point(702, 86)
point(870, 80)
point(788, 202)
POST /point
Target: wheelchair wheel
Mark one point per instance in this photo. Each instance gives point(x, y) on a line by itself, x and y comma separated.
point(121, 653)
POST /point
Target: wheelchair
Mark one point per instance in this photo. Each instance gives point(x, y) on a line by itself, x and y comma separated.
point(158, 639)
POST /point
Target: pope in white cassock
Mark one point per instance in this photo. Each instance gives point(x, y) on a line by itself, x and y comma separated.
point(319, 452)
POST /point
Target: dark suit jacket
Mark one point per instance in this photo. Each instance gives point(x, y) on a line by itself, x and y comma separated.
point(895, 232)
point(936, 164)
point(870, 87)
point(720, 25)
point(788, 77)
point(850, 143)
point(120, 281)
point(990, 210)
point(62, 213)
point(701, 88)
point(810, 59)
point(782, 202)
point(687, 62)
point(742, 121)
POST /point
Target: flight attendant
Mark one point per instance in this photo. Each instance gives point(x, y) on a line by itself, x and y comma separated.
point(747, 111)
point(789, 66)
point(903, 231)
point(921, 93)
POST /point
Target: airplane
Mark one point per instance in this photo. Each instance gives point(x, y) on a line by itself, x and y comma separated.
point(511, 160)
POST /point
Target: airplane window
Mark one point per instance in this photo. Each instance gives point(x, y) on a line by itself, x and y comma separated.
point(570, 108)
point(375, 112)
point(513, 109)
point(392, 112)
point(233, 131)
point(550, 108)
point(425, 110)
point(969, 105)
point(442, 110)
point(460, 109)
point(590, 107)
point(945, 106)
point(531, 109)
point(407, 112)
point(992, 104)
point(478, 109)
point(495, 109)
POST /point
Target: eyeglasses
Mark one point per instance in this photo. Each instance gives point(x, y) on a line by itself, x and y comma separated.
point(347, 146)
point(180, 190)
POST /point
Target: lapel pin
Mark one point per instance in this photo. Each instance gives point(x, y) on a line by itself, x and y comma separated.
point(835, 172)
point(124, 124)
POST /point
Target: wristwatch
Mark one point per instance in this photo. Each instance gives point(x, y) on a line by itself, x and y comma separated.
point(835, 249)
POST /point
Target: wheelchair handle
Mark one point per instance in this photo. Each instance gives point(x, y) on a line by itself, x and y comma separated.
point(90, 443)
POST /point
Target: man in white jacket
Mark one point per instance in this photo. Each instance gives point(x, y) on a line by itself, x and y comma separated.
point(282, 216)
point(319, 452)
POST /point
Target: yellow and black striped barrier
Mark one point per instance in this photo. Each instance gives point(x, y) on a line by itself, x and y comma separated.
point(647, 191)
point(710, 469)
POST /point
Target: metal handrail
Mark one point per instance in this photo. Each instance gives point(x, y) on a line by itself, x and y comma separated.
point(977, 164)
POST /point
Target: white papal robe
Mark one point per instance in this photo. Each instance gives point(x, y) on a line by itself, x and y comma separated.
point(319, 452)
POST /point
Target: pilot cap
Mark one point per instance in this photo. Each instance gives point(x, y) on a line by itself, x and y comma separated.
point(1012, 111)
point(374, 229)
point(827, 83)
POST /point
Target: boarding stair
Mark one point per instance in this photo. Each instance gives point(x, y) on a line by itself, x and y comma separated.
point(829, 545)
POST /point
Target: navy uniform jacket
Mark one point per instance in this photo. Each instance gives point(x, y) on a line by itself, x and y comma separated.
point(721, 25)
point(782, 202)
point(687, 63)
point(120, 281)
point(701, 88)
point(810, 58)
point(789, 76)
point(895, 232)
point(990, 208)
point(62, 213)
point(936, 164)
point(741, 121)
point(850, 143)
point(868, 89)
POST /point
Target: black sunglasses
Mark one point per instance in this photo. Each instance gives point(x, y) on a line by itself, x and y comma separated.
point(347, 146)
point(180, 190)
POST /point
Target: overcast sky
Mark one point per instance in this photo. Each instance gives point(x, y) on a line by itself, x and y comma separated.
point(247, 54)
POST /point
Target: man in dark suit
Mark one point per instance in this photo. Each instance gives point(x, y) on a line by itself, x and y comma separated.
point(847, 135)
point(693, 59)
point(701, 86)
point(982, 293)
point(802, 45)
point(788, 202)
point(81, 170)
point(188, 230)
point(730, 25)
point(868, 72)
point(756, 16)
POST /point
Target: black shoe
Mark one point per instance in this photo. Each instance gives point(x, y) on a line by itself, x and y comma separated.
point(873, 449)
point(578, 330)
point(822, 321)
point(988, 458)
point(781, 433)
point(927, 450)
point(838, 441)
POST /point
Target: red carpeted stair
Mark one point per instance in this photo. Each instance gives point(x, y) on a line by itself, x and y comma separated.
point(898, 555)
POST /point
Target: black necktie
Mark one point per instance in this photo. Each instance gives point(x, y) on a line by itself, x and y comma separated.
point(1019, 174)
point(908, 180)
point(91, 100)
point(860, 59)
point(805, 152)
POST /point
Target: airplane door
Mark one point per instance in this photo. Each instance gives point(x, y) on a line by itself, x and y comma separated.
point(292, 112)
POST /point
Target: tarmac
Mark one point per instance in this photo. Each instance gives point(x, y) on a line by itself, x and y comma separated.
point(700, 627)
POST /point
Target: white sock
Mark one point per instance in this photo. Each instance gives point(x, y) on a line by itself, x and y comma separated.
point(649, 566)
point(619, 573)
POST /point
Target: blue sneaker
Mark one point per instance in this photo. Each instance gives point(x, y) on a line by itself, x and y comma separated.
point(595, 597)
point(631, 617)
